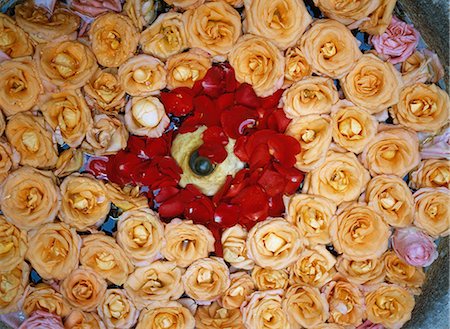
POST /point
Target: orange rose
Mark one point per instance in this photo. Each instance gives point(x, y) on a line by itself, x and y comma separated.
point(215, 317)
point(127, 197)
point(235, 249)
point(347, 12)
point(162, 315)
point(269, 279)
point(431, 173)
point(241, 287)
point(15, 42)
point(43, 297)
point(141, 12)
point(13, 245)
point(296, 67)
point(367, 271)
point(69, 161)
point(185, 4)
point(79, 320)
point(401, 273)
point(117, 310)
point(379, 19)
point(9, 159)
point(13, 283)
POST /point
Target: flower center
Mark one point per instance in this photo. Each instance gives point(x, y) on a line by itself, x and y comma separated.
point(16, 85)
point(142, 76)
point(114, 40)
point(65, 65)
point(274, 243)
point(199, 165)
point(184, 73)
point(339, 180)
point(388, 201)
point(328, 50)
point(105, 261)
point(7, 38)
point(34, 198)
point(30, 140)
point(313, 218)
point(83, 290)
point(350, 128)
point(6, 246)
point(165, 320)
point(153, 283)
point(441, 176)
point(140, 235)
point(146, 114)
point(204, 276)
point(389, 152)
point(117, 308)
point(423, 107)
point(308, 135)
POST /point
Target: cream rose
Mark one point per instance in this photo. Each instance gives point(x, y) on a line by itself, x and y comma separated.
point(146, 116)
point(234, 247)
point(69, 161)
point(379, 19)
point(367, 271)
point(313, 132)
point(126, 198)
point(141, 12)
point(13, 245)
point(269, 279)
point(274, 243)
point(80, 320)
point(117, 310)
point(349, 11)
point(401, 273)
point(9, 159)
point(101, 253)
point(162, 315)
point(241, 287)
point(30, 198)
point(13, 282)
point(296, 66)
point(431, 173)
point(257, 61)
point(14, 42)
point(186, 242)
point(42, 297)
point(215, 317)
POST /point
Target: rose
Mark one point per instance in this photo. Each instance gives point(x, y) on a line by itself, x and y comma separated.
point(43, 320)
point(214, 27)
point(159, 281)
point(13, 245)
point(215, 317)
point(431, 173)
point(314, 267)
point(15, 42)
point(258, 62)
point(392, 198)
point(393, 151)
point(206, 279)
point(241, 287)
point(141, 12)
point(78, 319)
point(313, 132)
point(30, 198)
point(281, 21)
point(367, 271)
point(414, 247)
point(339, 178)
point(347, 12)
point(117, 310)
point(185, 4)
point(161, 314)
point(43, 297)
point(398, 42)
point(389, 305)
point(329, 326)
point(269, 279)
point(372, 84)
point(9, 159)
point(33, 139)
point(296, 66)
point(186, 242)
point(126, 198)
point(69, 161)
point(101, 253)
point(165, 37)
point(369, 325)
point(379, 21)
point(96, 7)
point(311, 95)
point(422, 107)
point(352, 127)
point(274, 243)
point(234, 247)
point(20, 86)
point(330, 48)
point(114, 39)
point(68, 114)
point(436, 147)
point(14, 281)
point(422, 66)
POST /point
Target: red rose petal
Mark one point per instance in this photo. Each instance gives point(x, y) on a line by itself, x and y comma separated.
point(226, 215)
point(245, 95)
point(276, 205)
point(178, 102)
point(272, 100)
point(237, 120)
point(284, 149)
point(200, 210)
point(272, 182)
point(253, 203)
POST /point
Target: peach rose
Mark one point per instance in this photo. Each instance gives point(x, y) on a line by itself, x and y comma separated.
point(69, 161)
point(15, 42)
point(311, 214)
point(329, 326)
point(81, 320)
point(114, 39)
point(2, 123)
point(390, 196)
point(349, 11)
point(185, 4)
point(313, 132)
point(165, 37)
point(330, 48)
point(42, 297)
point(13, 283)
point(13, 245)
point(215, 317)
point(83, 289)
point(393, 150)
point(84, 201)
point(206, 279)
point(368, 271)
point(234, 247)
point(352, 126)
point(264, 310)
point(431, 173)
point(281, 21)
point(311, 95)
point(305, 306)
point(101, 253)
point(9, 159)
point(127, 197)
point(389, 305)
point(184, 69)
point(414, 247)
point(241, 287)
point(315, 267)
point(162, 315)
point(141, 12)
point(55, 250)
point(214, 27)
point(379, 20)
point(269, 279)
point(42, 320)
point(20, 85)
point(422, 107)
point(146, 116)
point(339, 178)
point(274, 243)
point(257, 61)
point(296, 66)
point(401, 273)
point(186, 242)
point(30, 198)
point(422, 66)
point(117, 310)
point(372, 84)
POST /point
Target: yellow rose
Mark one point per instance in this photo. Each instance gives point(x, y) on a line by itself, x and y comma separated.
point(82, 320)
point(117, 310)
point(274, 243)
point(269, 279)
point(422, 66)
point(185, 4)
point(257, 61)
point(184, 69)
point(114, 39)
point(389, 305)
point(20, 85)
point(214, 27)
point(372, 84)
point(13, 283)
point(282, 21)
point(165, 37)
point(84, 201)
point(235, 249)
point(101, 253)
point(30, 198)
point(206, 279)
point(215, 317)
point(330, 48)
point(14, 41)
point(312, 215)
point(42, 297)
point(401, 273)
point(314, 267)
point(241, 287)
point(186, 242)
point(296, 66)
point(69, 161)
point(391, 197)
point(359, 232)
point(9, 159)
point(83, 289)
point(339, 178)
point(141, 12)
point(348, 11)
point(163, 315)
point(313, 132)
point(393, 150)
point(33, 139)
point(13, 245)
point(306, 306)
point(127, 197)
point(431, 173)
point(379, 19)
point(367, 271)
point(146, 116)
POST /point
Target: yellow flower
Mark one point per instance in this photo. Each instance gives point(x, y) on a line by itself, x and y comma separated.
point(141, 12)
point(347, 12)
point(78, 319)
point(163, 315)
point(296, 66)
point(401, 273)
point(241, 287)
point(13, 282)
point(146, 116)
point(379, 19)
point(269, 279)
point(117, 310)
point(14, 41)
point(42, 297)
point(264, 310)
point(431, 173)
point(13, 245)
point(214, 316)
point(234, 247)
point(368, 271)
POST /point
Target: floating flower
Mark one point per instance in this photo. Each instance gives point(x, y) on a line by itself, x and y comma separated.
point(161, 313)
point(15, 41)
point(117, 310)
point(216, 317)
point(43, 320)
point(296, 67)
point(14, 281)
point(431, 173)
point(241, 287)
point(141, 12)
point(234, 247)
point(368, 271)
point(414, 247)
point(43, 297)
point(349, 12)
point(268, 279)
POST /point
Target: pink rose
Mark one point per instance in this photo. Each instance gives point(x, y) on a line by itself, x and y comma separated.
point(414, 247)
point(42, 320)
point(398, 42)
point(438, 147)
point(94, 8)
point(369, 325)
